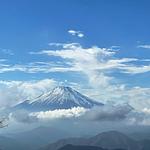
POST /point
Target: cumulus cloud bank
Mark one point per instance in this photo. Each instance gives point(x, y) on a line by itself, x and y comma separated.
point(122, 113)
point(103, 113)
point(23, 116)
point(60, 113)
point(13, 92)
point(109, 113)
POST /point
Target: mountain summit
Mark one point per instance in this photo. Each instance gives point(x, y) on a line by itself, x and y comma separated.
point(61, 97)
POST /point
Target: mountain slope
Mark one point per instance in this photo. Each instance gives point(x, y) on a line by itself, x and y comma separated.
point(77, 147)
point(59, 98)
point(7, 143)
point(38, 137)
point(113, 140)
point(108, 140)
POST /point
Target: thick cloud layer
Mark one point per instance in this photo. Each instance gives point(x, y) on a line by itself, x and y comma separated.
point(23, 117)
point(109, 113)
point(100, 114)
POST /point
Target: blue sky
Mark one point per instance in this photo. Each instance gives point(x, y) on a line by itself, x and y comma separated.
point(36, 39)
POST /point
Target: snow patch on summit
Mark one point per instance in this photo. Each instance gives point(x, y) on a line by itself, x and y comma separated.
point(60, 97)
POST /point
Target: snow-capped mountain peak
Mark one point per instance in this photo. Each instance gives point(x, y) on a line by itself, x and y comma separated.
point(61, 97)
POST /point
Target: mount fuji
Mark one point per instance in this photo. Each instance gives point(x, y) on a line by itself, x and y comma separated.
point(61, 97)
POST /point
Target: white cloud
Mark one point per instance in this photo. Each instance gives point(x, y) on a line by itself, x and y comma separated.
point(79, 59)
point(13, 92)
point(96, 65)
point(103, 113)
point(93, 61)
point(109, 113)
point(144, 46)
point(23, 117)
point(76, 33)
point(60, 113)
point(94, 57)
point(137, 97)
point(146, 110)
point(123, 114)
point(136, 69)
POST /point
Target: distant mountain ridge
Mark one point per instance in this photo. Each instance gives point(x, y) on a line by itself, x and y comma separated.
point(60, 97)
point(7, 143)
point(79, 147)
point(38, 137)
point(107, 140)
point(82, 147)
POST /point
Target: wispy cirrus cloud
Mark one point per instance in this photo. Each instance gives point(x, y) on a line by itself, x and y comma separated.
point(96, 58)
point(146, 46)
point(133, 69)
point(78, 59)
